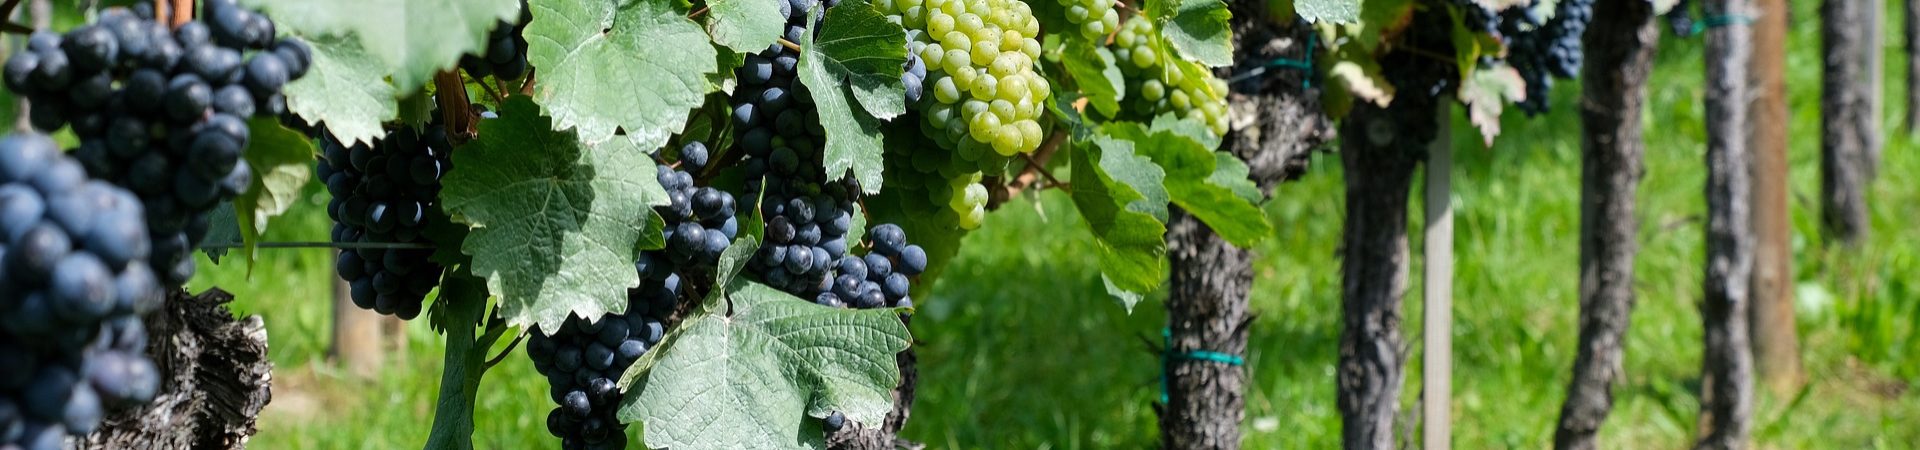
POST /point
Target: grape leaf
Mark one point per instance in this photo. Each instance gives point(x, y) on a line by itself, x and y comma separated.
point(418, 109)
point(343, 90)
point(635, 65)
point(413, 38)
point(852, 136)
point(1198, 29)
point(1486, 92)
point(746, 26)
point(757, 372)
point(1376, 17)
point(1356, 78)
point(1123, 200)
point(556, 223)
point(859, 44)
point(223, 228)
point(1190, 171)
point(282, 163)
point(1231, 172)
point(1097, 75)
point(1329, 11)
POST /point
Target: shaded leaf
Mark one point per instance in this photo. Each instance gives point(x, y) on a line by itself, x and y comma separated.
point(282, 163)
point(1123, 200)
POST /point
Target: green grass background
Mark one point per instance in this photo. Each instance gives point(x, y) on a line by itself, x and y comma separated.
point(1020, 347)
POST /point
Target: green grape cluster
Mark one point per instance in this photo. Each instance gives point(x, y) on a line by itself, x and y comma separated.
point(980, 58)
point(1155, 87)
point(1095, 18)
point(945, 190)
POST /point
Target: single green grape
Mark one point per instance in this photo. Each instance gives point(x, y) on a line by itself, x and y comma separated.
point(983, 127)
point(1012, 88)
point(945, 92)
point(1152, 90)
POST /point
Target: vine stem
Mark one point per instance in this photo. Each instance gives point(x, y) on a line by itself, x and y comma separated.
point(456, 111)
point(182, 12)
point(1035, 169)
point(333, 245)
point(696, 13)
point(490, 91)
point(526, 86)
point(495, 360)
point(789, 44)
point(6, 19)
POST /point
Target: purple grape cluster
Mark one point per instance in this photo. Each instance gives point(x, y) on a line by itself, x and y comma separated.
point(160, 111)
point(74, 281)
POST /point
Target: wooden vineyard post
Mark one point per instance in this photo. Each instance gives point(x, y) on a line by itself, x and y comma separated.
point(1437, 369)
point(357, 344)
point(1776, 349)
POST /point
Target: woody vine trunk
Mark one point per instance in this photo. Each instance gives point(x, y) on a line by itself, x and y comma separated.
point(1726, 388)
point(1278, 122)
point(1620, 43)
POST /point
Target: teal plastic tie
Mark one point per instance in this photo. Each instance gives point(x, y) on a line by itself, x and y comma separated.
point(1711, 22)
point(1305, 65)
point(1167, 357)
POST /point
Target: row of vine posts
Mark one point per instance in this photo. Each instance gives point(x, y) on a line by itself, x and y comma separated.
point(1747, 309)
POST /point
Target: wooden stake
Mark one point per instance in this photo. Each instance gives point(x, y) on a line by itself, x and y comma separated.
point(1436, 374)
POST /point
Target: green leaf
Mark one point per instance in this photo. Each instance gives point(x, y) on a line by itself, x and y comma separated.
point(1098, 77)
point(1231, 172)
point(1486, 92)
point(1355, 75)
point(282, 163)
point(556, 224)
point(1121, 196)
point(1331, 11)
point(417, 110)
point(224, 228)
point(758, 372)
point(413, 38)
point(635, 65)
point(1376, 17)
point(861, 45)
point(746, 26)
point(852, 136)
point(1190, 173)
point(1198, 29)
point(345, 90)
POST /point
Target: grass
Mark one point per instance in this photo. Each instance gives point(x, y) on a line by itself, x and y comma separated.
point(1020, 348)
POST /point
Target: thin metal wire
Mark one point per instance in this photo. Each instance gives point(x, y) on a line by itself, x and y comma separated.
point(333, 245)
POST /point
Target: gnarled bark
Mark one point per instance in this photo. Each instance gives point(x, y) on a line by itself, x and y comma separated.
point(1374, 276)
point(1620, 44)
point(1277, 123)
point(215, 380)
point(1726, 387)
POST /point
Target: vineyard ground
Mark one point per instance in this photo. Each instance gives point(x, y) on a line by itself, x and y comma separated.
point(1020, 348)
